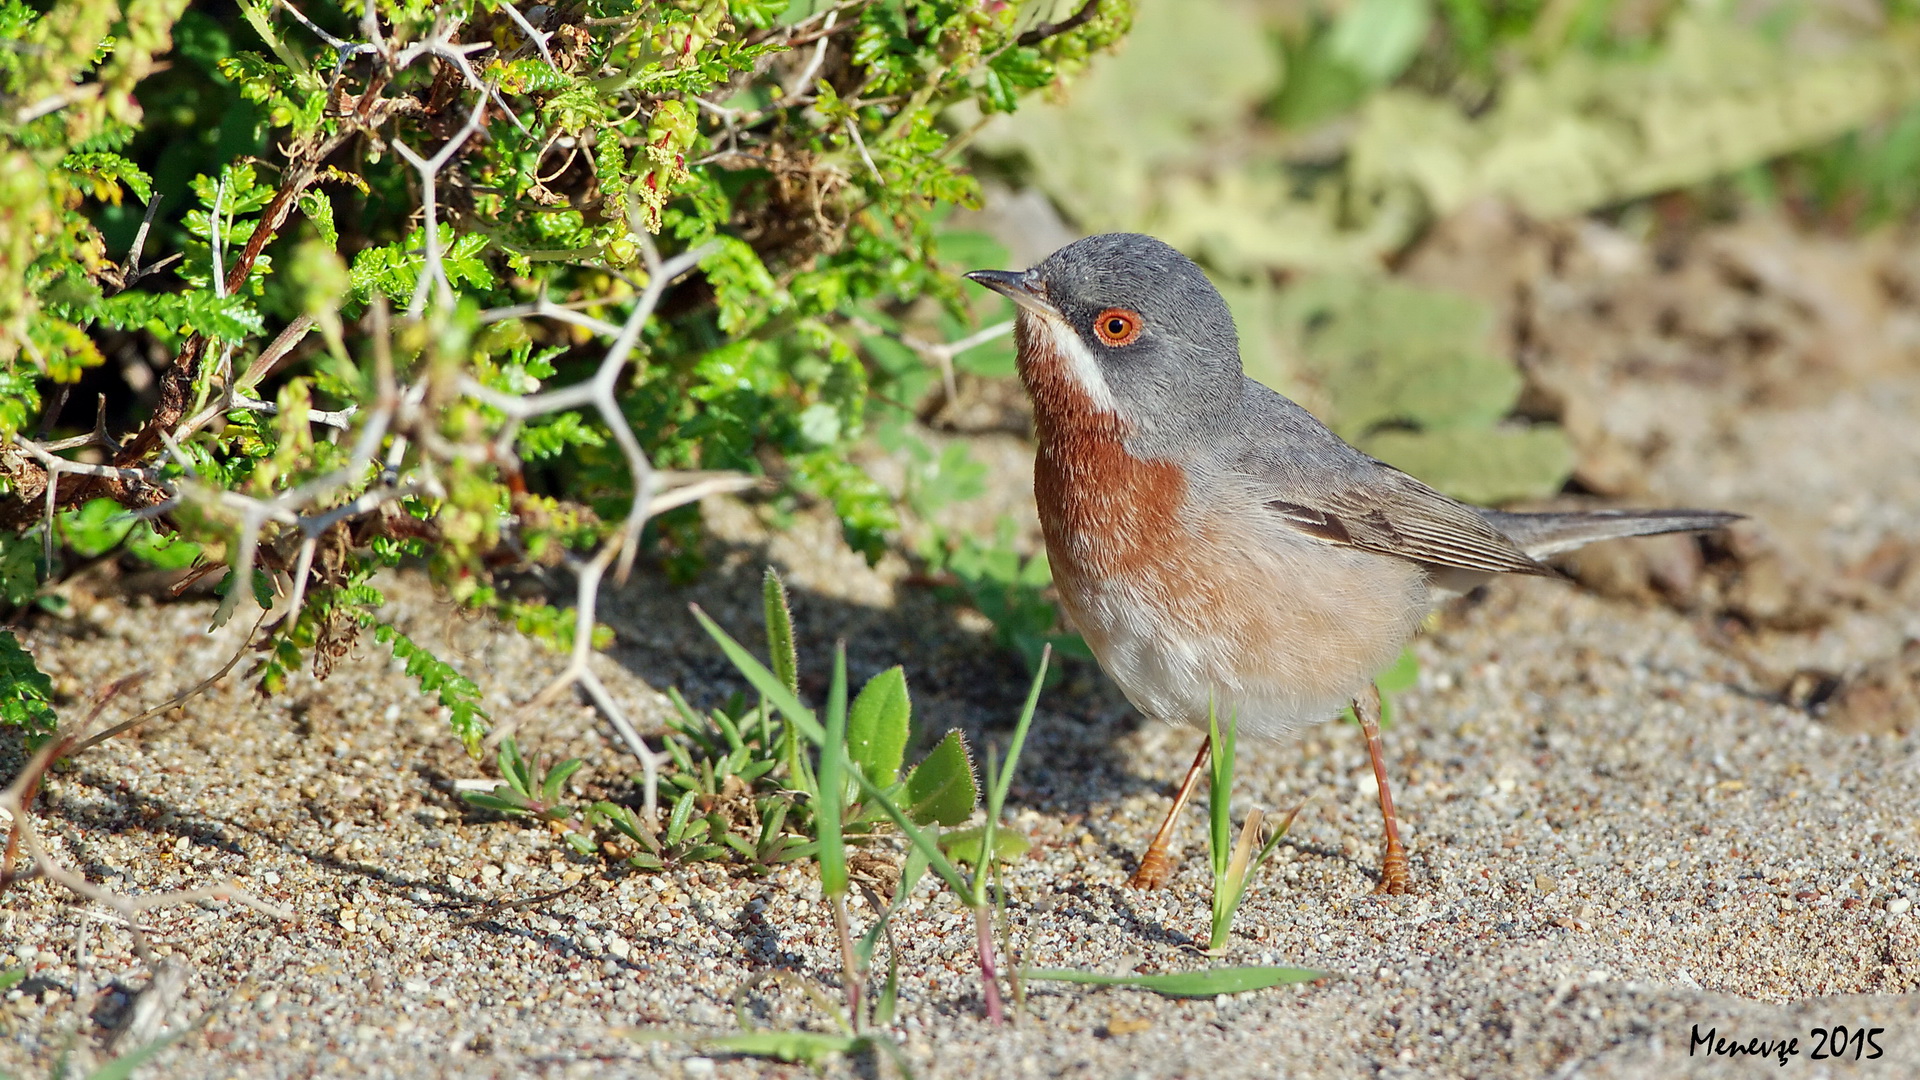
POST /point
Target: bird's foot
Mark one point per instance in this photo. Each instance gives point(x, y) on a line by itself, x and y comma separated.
point(1393, 873)
point(1155, 870)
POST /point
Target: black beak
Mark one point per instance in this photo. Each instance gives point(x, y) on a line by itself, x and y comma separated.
point(1023, 287)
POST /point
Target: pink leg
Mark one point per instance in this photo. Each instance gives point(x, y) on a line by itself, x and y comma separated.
point(1393, 865)
point(1155, 866)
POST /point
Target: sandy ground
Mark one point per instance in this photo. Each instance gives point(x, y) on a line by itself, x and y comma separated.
point(1617, 841)
point(1622, 837)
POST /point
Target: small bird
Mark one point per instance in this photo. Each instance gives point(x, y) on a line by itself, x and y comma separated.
point(1216, 546)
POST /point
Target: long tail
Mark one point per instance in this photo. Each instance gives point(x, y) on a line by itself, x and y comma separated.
point(1541, 535)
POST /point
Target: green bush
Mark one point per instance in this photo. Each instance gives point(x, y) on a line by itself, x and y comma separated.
point(466, 283)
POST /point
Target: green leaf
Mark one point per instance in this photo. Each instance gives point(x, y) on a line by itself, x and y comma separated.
point(244, 192)
point(922, 839)
point(455, 691)
point(11, 979)
point(964, 845)
point(878, 726)
point(514, 768)
point(555, 784)
point(741, 284)
point(26, 693)
point(911, 871)
point(888, 1002)
point(502, 800)
point(941, 788)
point(1220, 798)
point(809, 1048)
point(1486, 465)
point(548, 437)
point(319, 209)
point(394, 269)
point(19, 400)
point(1209, 983)
point(677, 820)
point(1392, 354)
point(222, 318)
point(65, 350)
point(96, 528)
point(997, 796)
point(106, 172)
point(168, 552)
point(1378, 38)
point(19, 569)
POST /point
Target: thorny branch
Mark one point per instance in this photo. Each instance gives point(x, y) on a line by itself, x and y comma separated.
point(176, 385)
point(305, 160)
point(938, 354)
point(400, 419)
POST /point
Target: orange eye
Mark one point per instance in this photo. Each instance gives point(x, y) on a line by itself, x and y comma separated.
point(1117, 326)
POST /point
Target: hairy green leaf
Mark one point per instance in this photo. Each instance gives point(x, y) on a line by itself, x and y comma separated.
point(877, 728)
point(941, 789)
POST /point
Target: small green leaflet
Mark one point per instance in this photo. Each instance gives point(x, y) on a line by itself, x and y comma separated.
point(222, 318)
point(319, 209)
point(26, 692)
point(394, 268)
point(105, 172)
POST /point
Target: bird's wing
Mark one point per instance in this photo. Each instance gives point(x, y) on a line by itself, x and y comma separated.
point(1318, 484)
point(1394, 514)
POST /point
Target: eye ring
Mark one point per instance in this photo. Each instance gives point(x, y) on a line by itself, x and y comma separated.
point(1117, 326)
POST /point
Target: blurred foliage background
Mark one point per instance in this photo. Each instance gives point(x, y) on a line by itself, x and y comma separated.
point(1314, 143)
point(1308, 152)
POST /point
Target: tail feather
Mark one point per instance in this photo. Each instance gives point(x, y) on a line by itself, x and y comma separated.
point(1544, 534)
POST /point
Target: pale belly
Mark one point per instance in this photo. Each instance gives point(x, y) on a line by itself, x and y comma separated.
point(1278, 635)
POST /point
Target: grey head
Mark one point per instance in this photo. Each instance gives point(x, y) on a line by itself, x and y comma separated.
point(1159, 337)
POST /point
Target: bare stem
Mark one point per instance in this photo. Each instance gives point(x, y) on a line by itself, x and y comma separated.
point(850, 973)
point(989, 968)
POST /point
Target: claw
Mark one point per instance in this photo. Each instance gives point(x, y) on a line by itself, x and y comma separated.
point(1393, 874)
point(1155, 869)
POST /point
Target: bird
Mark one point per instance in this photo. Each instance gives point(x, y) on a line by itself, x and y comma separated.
point(1220, 550)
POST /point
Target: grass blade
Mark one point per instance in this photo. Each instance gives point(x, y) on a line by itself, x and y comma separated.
point(804, 1047)
point(1220, 794)
point(1208, 983)
point(833, 787)
point(763, 680)
point(997, 795)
